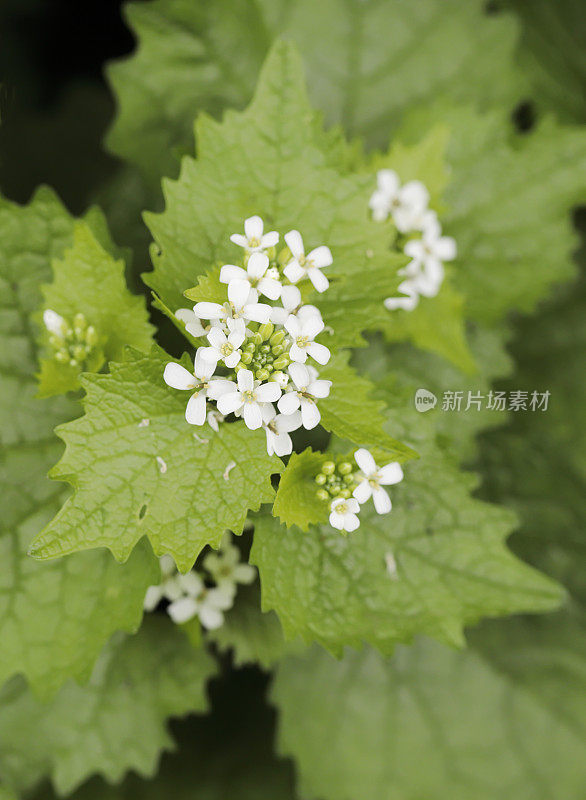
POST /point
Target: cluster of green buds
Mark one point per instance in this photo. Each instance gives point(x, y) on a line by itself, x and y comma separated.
point(265, 353)
point(72, 343)
point(336, 480)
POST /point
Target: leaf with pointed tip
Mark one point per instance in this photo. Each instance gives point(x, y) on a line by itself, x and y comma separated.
point(159, 478)
point(296, 502)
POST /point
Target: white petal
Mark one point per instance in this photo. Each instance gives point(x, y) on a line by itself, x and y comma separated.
point(390, 474)
point(233, 359)
point(190, 583)
point(415, 195)
point(365, 461)
point(353, 506)
point(295, 243)
point(236, 337)
point(209, 311)
point(270, 287)
point(287, 423)
point(351, 522)
point(185, 315)
point(229, 272)
point(268, 392)
point(216, 337)
point(152, 597)
point(270, 239)
point(300, 375)
point(209, 354)
point(195, 413)
point(288, 403)
point(293, 271)
point(244, 573)
point(293, 326)
point(362, 492)
point(297, 354)
point(222, 597)
point(230, 402)
point(446, 248)
point(238, 293)
point(237, 325)
point(309, 414)
point(319, 352)
point(178, 377)
point(239, 239)
point(211, 618)
point(253, 227)
point(319, 388)
point(268, 413)
point(382, 502)
point(252, 416)
point(245, 380)
point(54, 322)
point(415, 249)
point(308, 311)
point(312, 326)
point(279, 315)
point(319, 280)
point(282, 444)
point(257, 312)
point(257, 265)
point(182, 610)
point(220, 386)
point(290, 297)
point(388, 181)
point(337, 521)
point(403, 303)
point(321, 256)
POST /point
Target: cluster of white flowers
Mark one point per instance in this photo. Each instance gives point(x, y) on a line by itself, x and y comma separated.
point(421, 237)
point(263, 346)
point(205, 595)
point(370, 481)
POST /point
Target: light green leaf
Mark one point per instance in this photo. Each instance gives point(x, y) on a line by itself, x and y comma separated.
point(139, 469)
point(252, 636)
point(296, 502)
point(54, 618)
point(448, 566)
point(435, 724)
point(351, 413)
point(87, 280)
point(367, 63)
point(263, 161)
point(114, 724)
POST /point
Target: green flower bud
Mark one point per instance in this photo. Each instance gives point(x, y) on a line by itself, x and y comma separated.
point(269, 368)
point(328, 468)
point(320, 479)
point(73, 363)
point(262, 374)
point(345, 493)
point(246, 357)
point(344, 468)
point(91, 336)
point(239, 366)
point(335, 491)
point(266, 330)
point(281, 362)
point(249, 347)
point(256, 338)
point(277, 349)
point(322, 494)
point(79, 352)
point(349, 478)
point(277, 337)
point(61, 356)
point(265, 348)
point(79, 321)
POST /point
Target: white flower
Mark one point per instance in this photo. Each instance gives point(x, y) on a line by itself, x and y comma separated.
point(54, 322)
point(405, 203)
point(168, 587)
point(178, 377)
point(309, 265)
point(254, 240)
point(207, 604)
point(225, 566)
point(191, 321)
point(249, 398)
point(303, 332)
point(254, 274)
point(277, 428)
point(241, 306)
point(223, 348)
point(373, 479)
point(407, 303)
point(428, 254)
point(343, 514)
point(304, 396)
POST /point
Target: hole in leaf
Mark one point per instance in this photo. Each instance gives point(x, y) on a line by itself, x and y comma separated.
point(143, 510)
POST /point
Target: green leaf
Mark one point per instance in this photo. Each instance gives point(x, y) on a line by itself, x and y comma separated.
point(138, 469)
point(478, 728)
point(449, 566)
point(252, 636)
point(87, 280)
point(351, 413)
point(54, 618)
point(208, 288)
point(296, 502)
point(263, 161)
point(114, 724)
point(359, 76)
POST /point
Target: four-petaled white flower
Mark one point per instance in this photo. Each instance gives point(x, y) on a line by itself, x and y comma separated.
point(225, 566)
point(254, 240)
point(240, 308)
point(277, 428)
point(304, 395)
point(178, 377)
point(428, 254)
point(199, 600)
point(405, 203)
point(373, 478)
point(167, 588)
point(223, 348)
point(255, 275)
point(343, 514)
point(54, 322)
point(309, 265)
point(248, 398)
point(303, 331)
